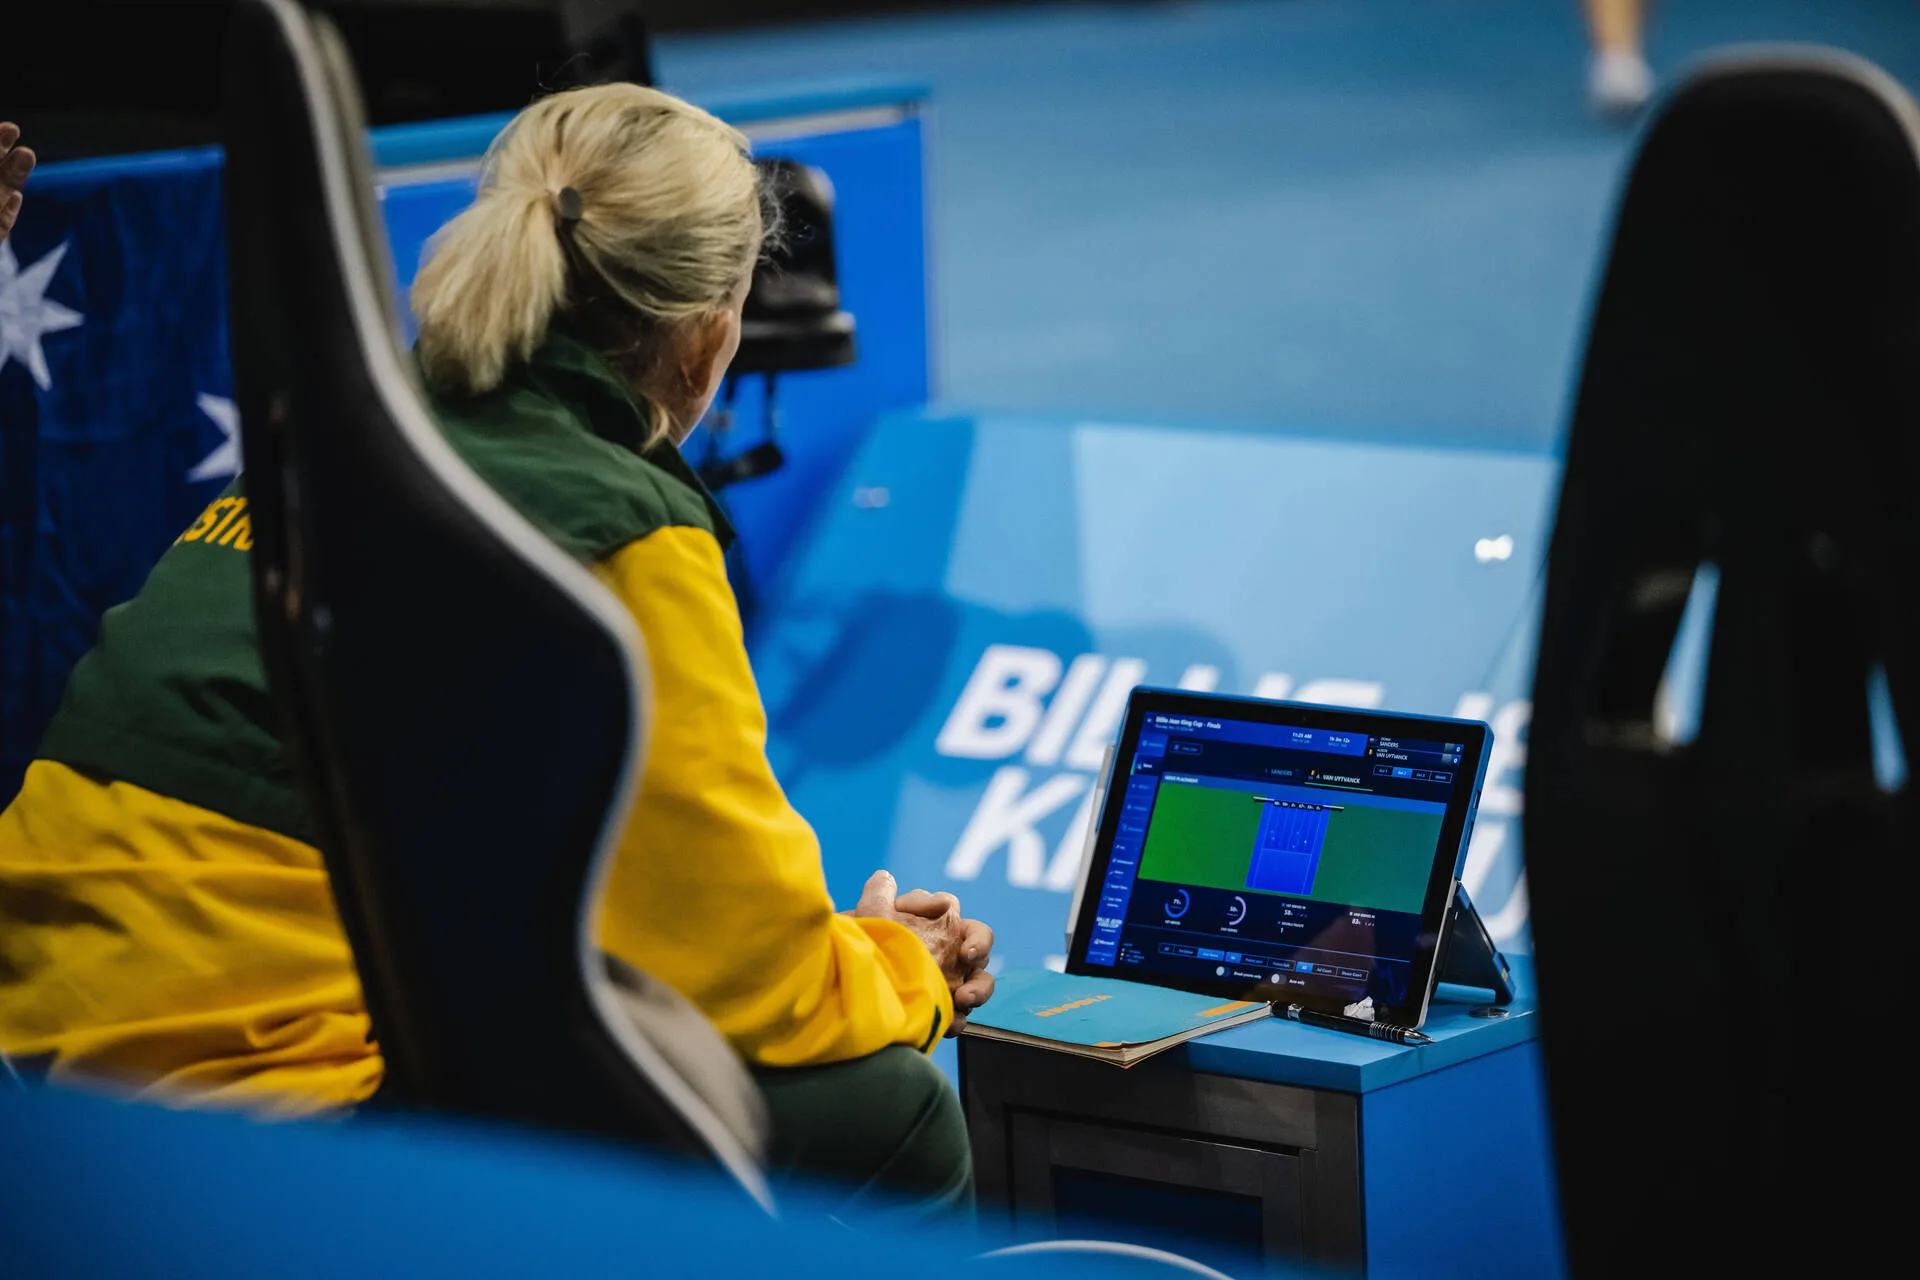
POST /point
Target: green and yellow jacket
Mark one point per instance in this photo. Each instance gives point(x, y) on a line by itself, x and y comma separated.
point(165, 921)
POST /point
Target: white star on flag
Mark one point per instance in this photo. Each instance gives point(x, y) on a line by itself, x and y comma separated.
point(27, 314)
point(224, 461)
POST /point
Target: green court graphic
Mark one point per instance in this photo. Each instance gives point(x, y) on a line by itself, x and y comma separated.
point(1372, 857)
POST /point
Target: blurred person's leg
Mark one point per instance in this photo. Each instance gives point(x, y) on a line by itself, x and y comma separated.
point(1619, 81)
point(887, 1128)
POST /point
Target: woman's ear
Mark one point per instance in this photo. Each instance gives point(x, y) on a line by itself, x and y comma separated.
point(687, 372)
point(699, 354)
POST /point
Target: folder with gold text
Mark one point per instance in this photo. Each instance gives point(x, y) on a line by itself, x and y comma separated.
point(1102, 1018)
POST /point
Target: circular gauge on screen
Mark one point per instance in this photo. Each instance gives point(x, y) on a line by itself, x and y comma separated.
point(1177, 905)
point(1236, 910)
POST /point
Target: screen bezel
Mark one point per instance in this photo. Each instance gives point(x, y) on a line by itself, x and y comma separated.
point(1455, 828)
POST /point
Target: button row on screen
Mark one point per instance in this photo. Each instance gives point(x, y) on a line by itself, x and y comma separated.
point(1417, 775)
point(1184, 951)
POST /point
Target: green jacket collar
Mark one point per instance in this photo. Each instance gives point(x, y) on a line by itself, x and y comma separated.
point(585, 384)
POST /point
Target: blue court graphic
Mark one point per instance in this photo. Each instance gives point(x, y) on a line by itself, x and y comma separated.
point(1286, 852)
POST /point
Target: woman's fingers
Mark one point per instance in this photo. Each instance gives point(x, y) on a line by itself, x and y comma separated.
point(968, 996)
point(877, 898)
point(976, 942)
point(16, 162)
point(974, 992)
point(921, 903)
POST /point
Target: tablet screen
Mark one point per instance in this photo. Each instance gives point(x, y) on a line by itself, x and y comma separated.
point(1303, 852)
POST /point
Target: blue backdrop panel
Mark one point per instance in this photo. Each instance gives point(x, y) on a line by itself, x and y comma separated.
point(116, 423)
point(954, 648)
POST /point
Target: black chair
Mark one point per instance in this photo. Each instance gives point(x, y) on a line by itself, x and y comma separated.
point(465, 704)
point(1722, 925)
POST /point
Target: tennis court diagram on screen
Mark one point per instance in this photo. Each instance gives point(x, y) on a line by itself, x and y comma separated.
point(1286, 851)
point(1045, 718)
point(1365, 851)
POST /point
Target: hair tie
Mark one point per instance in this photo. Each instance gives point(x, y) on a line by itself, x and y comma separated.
point(566, 206)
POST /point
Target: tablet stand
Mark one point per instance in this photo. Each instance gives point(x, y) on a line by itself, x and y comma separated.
point(1468, 957)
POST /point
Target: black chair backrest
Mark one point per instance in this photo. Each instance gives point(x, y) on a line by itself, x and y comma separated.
point(1720, 922)
point(465, 704)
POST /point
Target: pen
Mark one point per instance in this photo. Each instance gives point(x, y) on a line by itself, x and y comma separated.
point(1352, 1026)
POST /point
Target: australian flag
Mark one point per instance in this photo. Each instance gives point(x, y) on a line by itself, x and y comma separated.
point(117, 422)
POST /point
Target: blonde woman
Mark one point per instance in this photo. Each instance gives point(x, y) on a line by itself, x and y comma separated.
point(165, 921)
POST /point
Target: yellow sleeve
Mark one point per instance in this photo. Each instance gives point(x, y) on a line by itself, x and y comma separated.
point(718, 889)
point(171, 952)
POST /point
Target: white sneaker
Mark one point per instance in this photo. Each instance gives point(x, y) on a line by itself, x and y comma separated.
point(1619, 83)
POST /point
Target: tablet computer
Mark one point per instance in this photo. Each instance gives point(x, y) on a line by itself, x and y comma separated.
point(1262, 850)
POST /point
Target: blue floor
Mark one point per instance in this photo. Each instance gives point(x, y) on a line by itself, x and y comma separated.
point(1371, 218)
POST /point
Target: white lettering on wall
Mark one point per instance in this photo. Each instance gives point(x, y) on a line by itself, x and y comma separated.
point(1512, 917)
point(1064, 869)
point(1200, 678)
point(1006, 817)
point(1102, 724)
point(1502, 797)
point(1473, 706)
point(1342, 693)
point(1083, 677)
point(1275, 685)
point(1483, 850)
point(1001, 704)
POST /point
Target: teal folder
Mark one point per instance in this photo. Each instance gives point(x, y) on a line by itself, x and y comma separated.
point(1102, 1018)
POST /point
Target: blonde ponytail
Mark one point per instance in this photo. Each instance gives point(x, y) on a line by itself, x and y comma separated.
point(486, 295)
point(670, 222)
